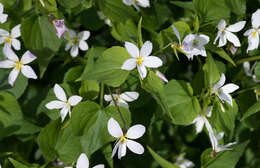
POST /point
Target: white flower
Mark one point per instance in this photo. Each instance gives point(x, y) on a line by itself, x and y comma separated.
point(183, 163)
point(223, 91)
point(122, 99)
point(77, 41)
point(249, 71)
point(216, 147)
point(193, 44)
point(201, 120)
point(141, 59)
point(63, 103)
point(103, 17)
point(10, 39)
point(253, 33)
point(136, 3)
point(18, 65)
point(124, 140)
point(225, 33)
point(83, 162)
point(3, 17)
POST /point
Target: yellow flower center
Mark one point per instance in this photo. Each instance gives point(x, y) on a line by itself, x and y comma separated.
point(254, 34)
point(75, 41)
point(117, 98)
point(195, 42)
point(18, 65)
point(9, 39)
point(139, 60)
point(123, 139)
point(68, 104)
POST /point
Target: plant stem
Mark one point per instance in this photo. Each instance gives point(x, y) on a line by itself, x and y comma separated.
point(241, 61)
point(118, 109)
point(163, 48)
point(101, 98)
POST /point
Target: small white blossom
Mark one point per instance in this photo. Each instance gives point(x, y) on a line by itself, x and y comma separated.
point(63, 103)
point(11, 39)
point(18, 65)
point(136, 3)
point(141, 59)
point(3, 17)
point(201, 120)
point(122, 99)
point(223, 91)
point(76, 41)
point(193, 44)
point(103, 17)
point(183, 163)
point(124, 139)
point(254, 32)
point(216, 147)
point(226, 33)
point(249, 71)
point(83, 162)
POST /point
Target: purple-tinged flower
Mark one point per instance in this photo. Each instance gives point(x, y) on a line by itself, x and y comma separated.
point(161, 75)
point(60, 27)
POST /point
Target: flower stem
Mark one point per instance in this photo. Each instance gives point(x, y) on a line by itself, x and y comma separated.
point(118, 109)
point(101, 98)
point(163, 48)
point(241, 61)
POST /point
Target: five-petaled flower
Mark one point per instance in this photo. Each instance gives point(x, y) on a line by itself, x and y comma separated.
point(254, 32)
point(18, 65)
point(223, 91)
point(76, 41)
point(83, 162)
point(201, 120)
point(60, 27)
point(3, 17)
point(136, 3)
point(124, 139)
point(141, 59)
point(226, 33)
point(193, 44)
point(216, 147)
point(63, 103)
point(10, 39)
point(122, 99)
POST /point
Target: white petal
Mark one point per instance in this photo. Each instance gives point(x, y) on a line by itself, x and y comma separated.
point(222, 24)
point(217, 37)
point(222, 39)
point(9, 53)
point(152, 62)
point(199, 123)
point(108, 98)
point(225, 97)
point(74, 51)
point(142, 71)
point(84, 35)
point(128, 2)
point(64, 111)
point(135, 131)
point(59, 92)
point(129, 96)
point(115, 148)
point(13, 76)
point(253, 42)
point(220, 83)
point(146, 49)
point(209, 111)
point(7, 64)
point(1, 8)
point(82, 161)
point(114, 128)
point(129, 64)
point(68, 46)
point(249, 32)
point(161, 75)
point(143, 3)
point(233, 39)
point(3, 18)
point(213, 140)
point(203, 39)
point(135, 147)
point(176, 32)
point(28, 72)
point(255, 19)
point(15, 32)
point(16, 44)
point(74, 100)
point(122, 103)
point(99, 166)
point(237, 26)
point(132, 49)
point(220, 136)
point(27, 57)
point(121, 150)
point(71, 33)
point(4, 33)
point(229, 88)
point(83, 45)
point(246, 66)
point(56, 104)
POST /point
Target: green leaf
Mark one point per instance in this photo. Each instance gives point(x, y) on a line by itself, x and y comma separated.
point(107, 68)
point(252, 110)
point(227, 159)
point(17, 164)
point(183, 106)
point(139, 30)
point(89, 89)
point(47, 139)
point(211, 71)
point(162, 162)
point(237, 6)
point(90, 122)
point(68, 4)
point(257, 71)
point(184, 5)
point(220, 52)
point(73, 74)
